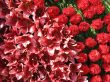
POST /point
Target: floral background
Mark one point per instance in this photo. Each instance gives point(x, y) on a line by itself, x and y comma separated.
point(54, 40)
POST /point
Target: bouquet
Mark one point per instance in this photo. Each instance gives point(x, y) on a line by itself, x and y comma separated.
point(54, 41)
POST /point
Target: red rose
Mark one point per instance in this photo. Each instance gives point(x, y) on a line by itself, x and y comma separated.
point(106, 58)
point(90, 42)
point(95, 69)
point(69, 11)
point(85, 69)
point(62, 19)
point(82, 4)
point(84, 26)
point(89, 12)
point(82, 57)
point(97, 24)
point(106, 67)
point(107, 19)
point(79, 47)
point(100, 9)
point(53, 11)
point(94, 55)
point(104, 49)
point(75, 19)
point(106, 78)
point(96, 78)
point(108, 28)
point(102, 38)
point(73, 30)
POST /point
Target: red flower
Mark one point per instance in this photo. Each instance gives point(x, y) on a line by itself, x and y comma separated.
point(27, 6)
point(69, 11)
point(33, 59)
point(84, 26)
point(46, 57)
point(11, 19)
point(58, 74)
point(39, 3)
point(82, 4)
point(106, 58)
point(106, 78)
point(89, 12)
point(53, 11)
point(95, 69)
point(75, 19)
point(104, 49)
point(108, 28)
point(102, 38)
point(94, 55)
point(90, 42)
point(79, 47)
point(106, 67)
point(97, 24)
point(107, 19)
point(100, 9)
point(73, 30)
point(96, 78)
point(36, 44)
point(73, 68)
point(85, 69)
point(82, 57)
point(9, 47)
point(62, 19)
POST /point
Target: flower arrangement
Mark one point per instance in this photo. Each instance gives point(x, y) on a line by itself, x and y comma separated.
point(54, 41)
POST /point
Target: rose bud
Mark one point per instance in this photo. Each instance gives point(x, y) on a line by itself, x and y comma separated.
point(82, 4)
point(84, 26)
point(95, 69)
point(79, 47)
point(89, 12)
point(106, 58)
point(107, 19)
point(69, 11)
point(82, 57)
point(94, 55)
point(106, 67)
point(104, 49)
point(97, 24)
point(61, 19)
point(90, 42)
point(96, 78)
point(106, 78)
point(85, 69)
point(102, 38)
point(53, 11)
point(73, 30)
point(100, 9)
point(75, 19)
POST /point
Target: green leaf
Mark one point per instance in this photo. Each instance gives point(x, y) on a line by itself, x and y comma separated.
point(107, 5)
